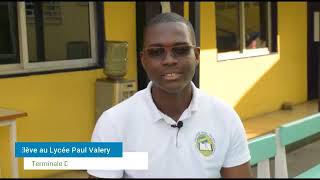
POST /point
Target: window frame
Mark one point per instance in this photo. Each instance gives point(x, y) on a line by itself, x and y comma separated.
point(243, 52)
point(27, 67)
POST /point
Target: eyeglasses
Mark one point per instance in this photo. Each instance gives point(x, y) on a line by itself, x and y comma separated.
point(177, 52)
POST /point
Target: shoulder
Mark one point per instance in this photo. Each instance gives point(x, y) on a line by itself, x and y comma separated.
point(126, 106)
point(124, 110)
point(213, 102)
point(221, 109)
point(113, 124)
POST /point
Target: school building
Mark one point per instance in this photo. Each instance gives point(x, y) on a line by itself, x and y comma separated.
point(257, 56)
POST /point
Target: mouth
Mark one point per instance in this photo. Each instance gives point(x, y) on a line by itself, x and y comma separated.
point(171, 76)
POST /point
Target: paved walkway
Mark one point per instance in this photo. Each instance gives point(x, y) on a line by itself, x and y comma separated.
point(268, 122)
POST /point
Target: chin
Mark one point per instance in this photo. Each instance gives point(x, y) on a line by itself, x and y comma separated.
point(173, 88)
point(171, 91)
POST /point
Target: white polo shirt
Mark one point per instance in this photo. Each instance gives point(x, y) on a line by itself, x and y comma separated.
point(212, 137)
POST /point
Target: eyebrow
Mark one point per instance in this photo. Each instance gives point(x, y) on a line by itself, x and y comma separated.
point(174, 44)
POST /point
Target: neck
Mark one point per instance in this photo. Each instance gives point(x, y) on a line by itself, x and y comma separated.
point(172, 104)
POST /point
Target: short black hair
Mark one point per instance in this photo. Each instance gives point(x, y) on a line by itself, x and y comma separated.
point(251, 37)
point(171, 17)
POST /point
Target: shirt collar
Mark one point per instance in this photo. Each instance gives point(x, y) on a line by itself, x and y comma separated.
point(155, 112)
point(153, 108)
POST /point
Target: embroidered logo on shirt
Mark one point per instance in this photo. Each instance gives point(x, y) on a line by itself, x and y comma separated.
point(205, 144)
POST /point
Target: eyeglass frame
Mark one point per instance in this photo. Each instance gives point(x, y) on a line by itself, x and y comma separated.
point(144, 50)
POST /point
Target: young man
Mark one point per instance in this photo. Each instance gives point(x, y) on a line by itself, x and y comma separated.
point(186, 133)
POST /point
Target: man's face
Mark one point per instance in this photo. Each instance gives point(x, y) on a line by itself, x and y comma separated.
point(169, 57)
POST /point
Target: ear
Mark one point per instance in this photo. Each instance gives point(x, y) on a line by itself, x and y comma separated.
point(142, 59)
point(197, 54)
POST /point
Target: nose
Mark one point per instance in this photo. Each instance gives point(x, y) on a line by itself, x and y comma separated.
point(169, 59)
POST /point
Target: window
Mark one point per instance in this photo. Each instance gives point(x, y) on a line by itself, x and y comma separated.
point(9, 47)
point(68, 39)
point(243, 29)
point(41, 36)
point(51, 11)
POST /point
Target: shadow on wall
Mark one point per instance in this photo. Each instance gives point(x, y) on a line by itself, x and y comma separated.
point(265, 90)
point(285, 81)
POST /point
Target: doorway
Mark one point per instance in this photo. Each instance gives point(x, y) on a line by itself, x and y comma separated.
point(313, 49)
